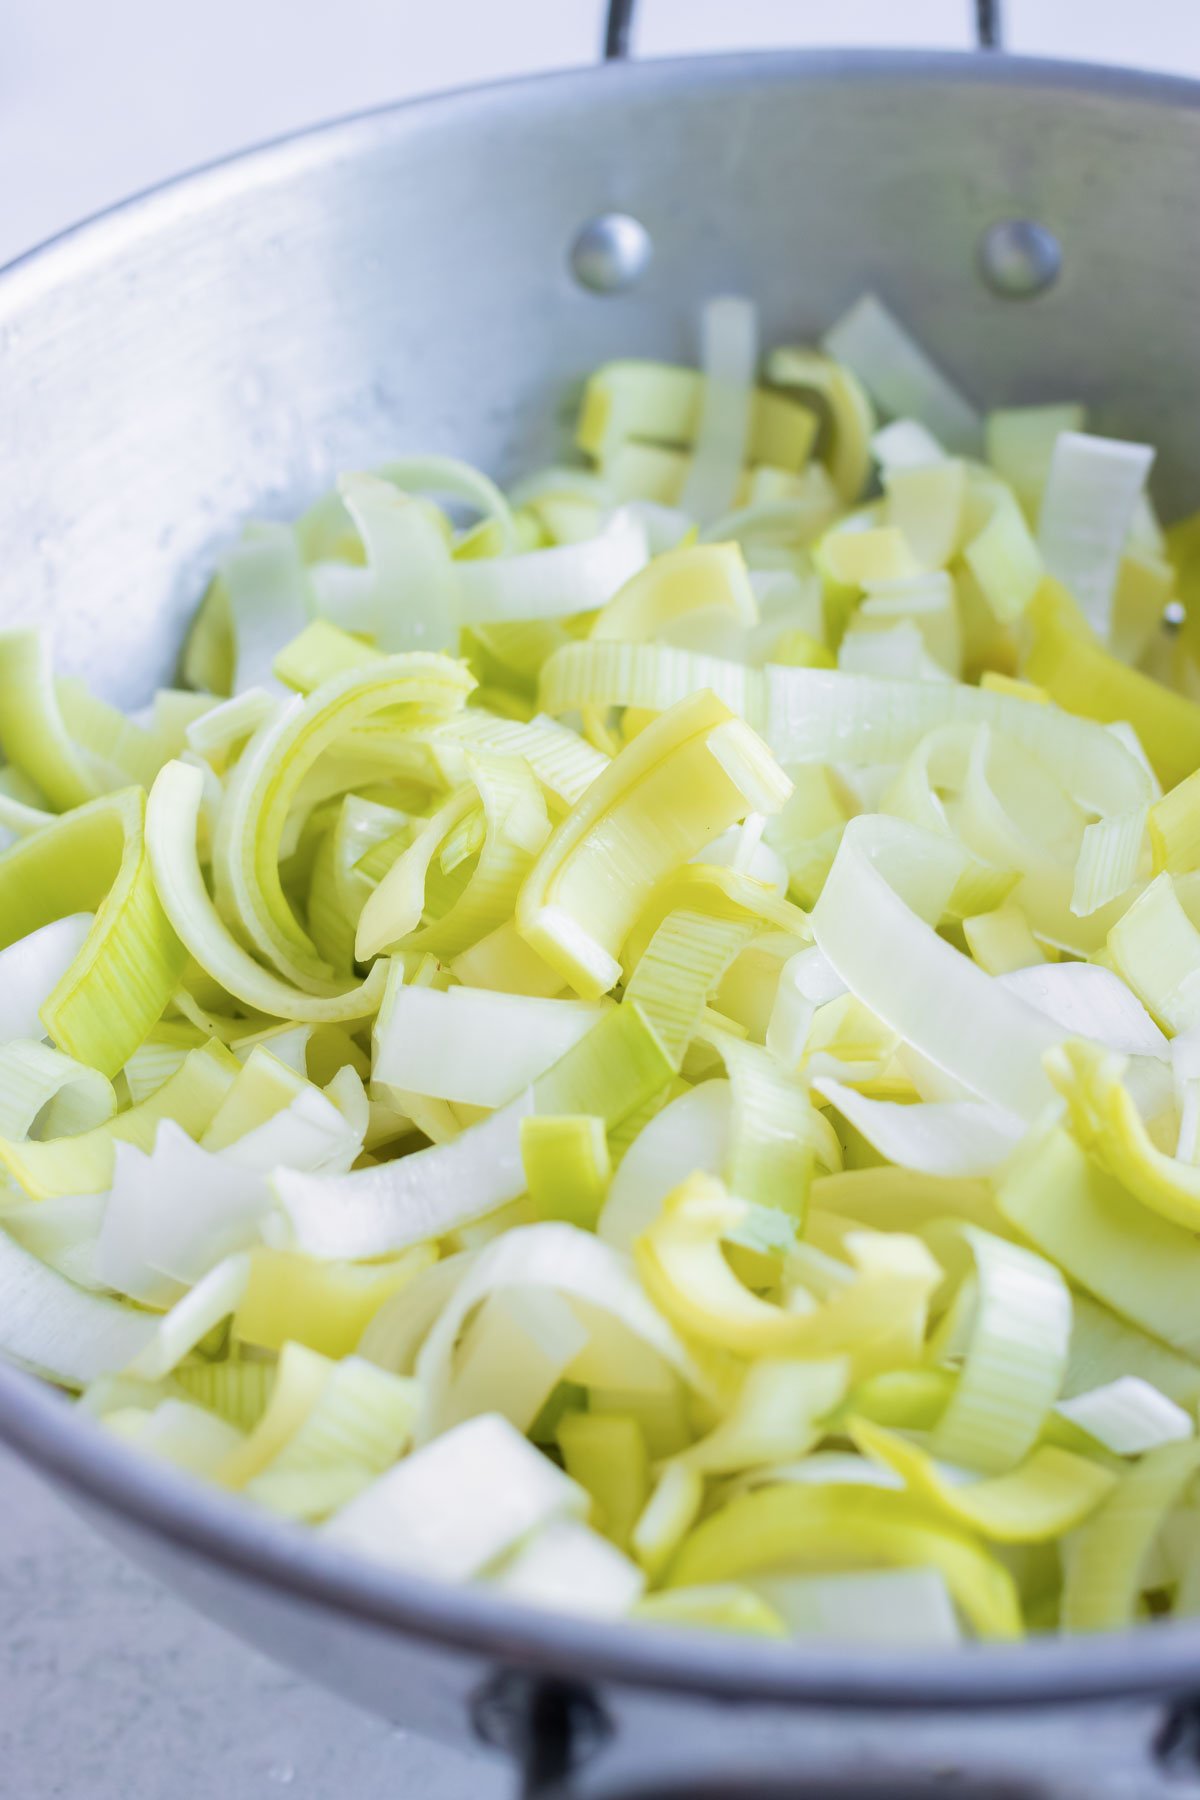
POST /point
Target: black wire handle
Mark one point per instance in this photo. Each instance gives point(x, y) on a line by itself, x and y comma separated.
point(618, 27)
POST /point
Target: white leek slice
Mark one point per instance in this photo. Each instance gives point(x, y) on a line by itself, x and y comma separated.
point(1089, 1002)
point(689, 1136)
point(571, 1569)
point(213, 1299)
point(905, 1608)
point(456, 1507)
point(729, 355)
point(1091, 490)
point(1128, 1416)
point(269, 601)
point(446, 1044)
point(551, 584)
point(32, 968)
point(405, 598)
point(937, 1138)
point(56, 1329)
point(901, 377)
point(874, 924)
point(611, 1071)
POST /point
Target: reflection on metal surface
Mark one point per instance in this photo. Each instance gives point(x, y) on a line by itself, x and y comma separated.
point(611, 253)
point(1019, 258)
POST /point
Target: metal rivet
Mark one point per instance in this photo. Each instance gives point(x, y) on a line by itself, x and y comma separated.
point(1019, 258)
point(611, 253)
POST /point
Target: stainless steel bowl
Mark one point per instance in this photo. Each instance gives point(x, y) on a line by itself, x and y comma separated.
point(223, 346)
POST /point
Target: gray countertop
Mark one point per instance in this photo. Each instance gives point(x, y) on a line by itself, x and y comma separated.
point(114, 1690)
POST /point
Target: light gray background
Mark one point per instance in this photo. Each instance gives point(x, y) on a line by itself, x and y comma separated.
point(111, 1689)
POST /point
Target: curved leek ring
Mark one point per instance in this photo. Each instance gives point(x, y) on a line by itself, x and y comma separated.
point(1050, 1493)
point(800, 1527)
point(851, 415)
point(416, 689)
point(95, 860)
point(171, 818)
point(35, 736)
point(1106, 1122)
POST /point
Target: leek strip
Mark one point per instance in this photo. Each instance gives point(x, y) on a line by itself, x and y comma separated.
point(1105, 1350)
point(555, 583)
point(269, 601)
point(565, 765)
point(691, 1135)
point(693, 772)
point(1175, 828)
point(118, 985)
point(717, 1606)
point(779, 1413)
point(1156, 949)
point(679, 971)
point(33, 732)
point(444, 1044)
point(729, 354)
point(612, 1071)
point(213, 1299)
point(638, 400)
point(1049, 1493)
point(58, 1330)
point(887, 1199)
point(404, 599)
point(1070, 1209)
point(1020, 443)
point(872, 923)
point(171, 818)
point(1127, 1416)
point(31, 968)
point(1092, 486)
point(83, 1164)
point(900, 376)
point(817, 715)
point(1014, 1359)
point(1105, 1566)
point(796, 1527)
point(667, 1517)
point(949, 1138)
point(647, 676)
point(1088, 682)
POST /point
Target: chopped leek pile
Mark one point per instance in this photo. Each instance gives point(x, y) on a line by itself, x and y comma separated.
point(637, 1041)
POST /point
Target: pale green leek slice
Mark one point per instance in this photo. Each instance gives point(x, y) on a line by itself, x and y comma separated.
point(1104, 1568)
point(1092, 486)
point(1073, 1211)
point(900, 376)
point(686, 777)
point(96, 860)
point(171, 818)
point(1016, 1328)
point(58, 1330)
point(33, 732)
